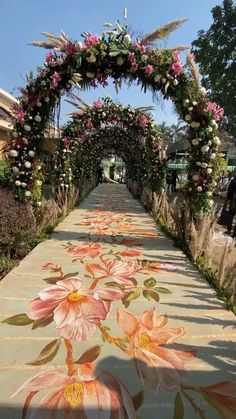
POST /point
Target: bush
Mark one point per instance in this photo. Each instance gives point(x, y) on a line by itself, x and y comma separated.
point(4, 172)
point(17, 223)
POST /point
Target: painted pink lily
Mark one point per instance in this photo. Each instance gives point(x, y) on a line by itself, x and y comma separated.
point(76, 310)
point(89, 249)
point(121, 272)
point(160, 367)
point(85, 395)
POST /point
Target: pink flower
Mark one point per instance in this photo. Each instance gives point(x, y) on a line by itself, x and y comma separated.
point(86, 249)
point(148, 69)
point(51, 267)
point(122, 272)
point(102, 80)
point(143, 121)
point(89, 124)
point(55, 78)
point(160, 367)
point(68, 48)
point(97, 104)
point(66, 142)
point(84, 395)
point(131, 57)
point(19, 114)
point(75, 309)
point(141, 47)
point(177, 66)
point(42, 73)
point(223, 397)
point(158, 267)
point(216, 110)
point(91, 40)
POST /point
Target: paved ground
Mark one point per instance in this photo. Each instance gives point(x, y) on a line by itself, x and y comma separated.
point(124, 314)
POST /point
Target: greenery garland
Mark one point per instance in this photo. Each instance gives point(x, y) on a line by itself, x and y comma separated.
point(111, 128)
point(90, 63)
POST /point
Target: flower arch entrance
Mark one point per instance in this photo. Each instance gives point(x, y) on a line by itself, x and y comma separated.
point(89, 64)
point(110, 128)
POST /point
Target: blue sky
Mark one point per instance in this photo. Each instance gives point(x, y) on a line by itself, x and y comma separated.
point(24, 20)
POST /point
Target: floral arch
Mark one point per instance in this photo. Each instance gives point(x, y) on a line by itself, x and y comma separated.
point(110, 128)
point(90, 63)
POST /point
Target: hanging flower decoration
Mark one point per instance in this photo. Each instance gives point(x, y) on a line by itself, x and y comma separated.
point(89, 64)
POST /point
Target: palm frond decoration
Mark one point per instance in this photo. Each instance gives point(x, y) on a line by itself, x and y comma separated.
point(163, 31)
point(177, 48)
point(193, 67)
point(53, 41)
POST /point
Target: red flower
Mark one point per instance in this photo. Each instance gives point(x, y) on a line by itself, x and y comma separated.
point(130, 253)
point(148, 69)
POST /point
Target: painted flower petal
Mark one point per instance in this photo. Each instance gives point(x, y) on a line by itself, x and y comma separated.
point(43, 380)
point(128, 323)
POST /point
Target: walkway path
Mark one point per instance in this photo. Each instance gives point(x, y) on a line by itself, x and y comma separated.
point(184, 344)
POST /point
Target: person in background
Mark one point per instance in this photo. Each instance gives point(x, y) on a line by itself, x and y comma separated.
point(231, 201)
point(174, 180)
point(100, 175)
point(169, 182)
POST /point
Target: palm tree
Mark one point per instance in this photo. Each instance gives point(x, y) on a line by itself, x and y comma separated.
point(177, 132)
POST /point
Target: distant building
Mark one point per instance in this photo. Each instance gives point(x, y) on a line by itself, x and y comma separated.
point(7, 101)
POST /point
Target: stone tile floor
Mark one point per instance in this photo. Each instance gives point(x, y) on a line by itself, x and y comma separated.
point(129, 307)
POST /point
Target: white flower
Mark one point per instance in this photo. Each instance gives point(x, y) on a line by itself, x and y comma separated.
point(39, 203)
point(15, 170)
point(194, 103)
point(209, 193)
point(15, 134)
point(209, 129)
point(104, 114)
point(209, 170)
point(190, 189)
point(216, 140)
point(203, 90)
point(38, 118)
point(78, 46)
point(46, 99)
point(175, 82)
point(23, 184)
point(120, 61)
point(27, 193)
point(38, 182)
point(91, 59)
point(27, 128)
point(127, 39)
point(195, 177)
point(39, 167)
point(43, 83)
point(204, 165)
point(144, 58)
point(157, 78)
point(195, 124)
point(39, 104)
point(163, 80)
point(17, 183)
point(27, 164)
point(31, 153)
point(195, 141)
point(190, 108)
point(205, 148)
point(186, 102)
point(187, 117)
point(198, 163)
point(13, 153)
point(214, 123)
point(199, 188)
point(213, 156)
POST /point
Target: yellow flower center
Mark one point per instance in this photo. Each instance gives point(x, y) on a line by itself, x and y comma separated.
point(144, 341)
point(75, 296)
point(73, 394)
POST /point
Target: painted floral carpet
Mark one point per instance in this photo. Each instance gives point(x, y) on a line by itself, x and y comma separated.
point(108, 320)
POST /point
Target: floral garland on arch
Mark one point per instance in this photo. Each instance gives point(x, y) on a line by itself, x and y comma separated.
point(111, 128)
point(89, 64)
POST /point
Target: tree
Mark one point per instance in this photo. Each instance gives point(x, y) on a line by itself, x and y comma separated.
point(177, 131)
point(215, 51)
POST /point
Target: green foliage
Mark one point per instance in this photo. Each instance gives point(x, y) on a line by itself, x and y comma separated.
point(215, 52)
point(4, 172)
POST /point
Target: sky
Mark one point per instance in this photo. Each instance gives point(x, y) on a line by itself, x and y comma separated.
point(24, 20)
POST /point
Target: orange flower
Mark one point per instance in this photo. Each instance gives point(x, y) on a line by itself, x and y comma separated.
point(157, 266)
point(223, 397)
point(89, 249)
point(84, 395)
point(52, 267)
point(130, 253)
point(159, 366)
point(131, 242)
point(148, 234)
point(121, 272)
